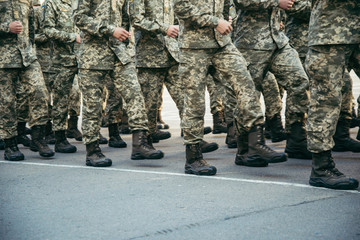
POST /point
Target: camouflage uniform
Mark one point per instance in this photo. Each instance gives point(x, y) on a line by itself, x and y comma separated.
point(332, 47)
point(156, 54)
point(200, 47)
point(18, 62)
point(59, 27)
point(75, 98)
point(43, 53)
point(97, 21)
point(266, 48)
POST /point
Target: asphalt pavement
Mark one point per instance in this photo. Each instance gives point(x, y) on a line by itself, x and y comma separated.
point(61, 198)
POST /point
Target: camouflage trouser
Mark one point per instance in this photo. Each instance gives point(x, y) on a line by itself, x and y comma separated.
point(49, 78)
point(232, 66)
point(92, 83)
point(227, 95)
point(114, 104)
point(32, 80)
point(272, 95)
point(22, 103)
point(287, 68)
point(152, 81)
point(215, 94)
point(63, 83)
point(326, 66)
point(75, 98)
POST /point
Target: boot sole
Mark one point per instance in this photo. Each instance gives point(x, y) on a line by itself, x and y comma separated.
point(218, 131)
point(203, 173)
point(65, 151)
point(209, 149)
point(282, 158)
point(255, 163)
point(232, 145)
point(104, 164)
point(46, 155)
point(124, 145)
point(139, 156)
point(340, 186)
point(20, 158)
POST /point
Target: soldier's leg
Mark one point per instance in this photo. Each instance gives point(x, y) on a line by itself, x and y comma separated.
point(160, 123)
point(22, 107)
point(126, 82)
point(290, 74)
point(248, 114)
point(194, 80)
point(63, 83)
point(38, 102)
point(74, 111)
point(92, 84)
point(113, 113)
point(49, 78)
point(326, 67)
point(273, 107)
point(8, 121)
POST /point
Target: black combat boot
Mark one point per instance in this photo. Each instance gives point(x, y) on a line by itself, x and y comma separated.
point(195, 164)
point(160, 123)
point(324, 173)
point(160, 135)
point(230, 139)
point(49, 134)
point(73, 131)
point(38, 143)
point(296, 143)
point(141, 149)
point(342, 139)
point(259, 151)
point(102, 139)
point(2, 144)
point(219, 125)
point(243, 150)
point(124, 127)
point(208, 147)
point(62, 145)
point(12, 152)
point(21, 137)
point(115, 140)
point(276, 129)
point(94, 156)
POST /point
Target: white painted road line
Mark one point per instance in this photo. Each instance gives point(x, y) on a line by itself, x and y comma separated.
point(176, 174)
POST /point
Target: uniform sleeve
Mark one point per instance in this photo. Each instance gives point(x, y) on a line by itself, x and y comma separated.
point(40, 37)
point(301, 10)
point(87, 23)
point(186, 11)
point(140, 22)
point(256, 4)
point(49, 25)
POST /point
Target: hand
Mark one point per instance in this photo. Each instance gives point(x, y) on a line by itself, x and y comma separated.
point(173, 31)
point(121, 34)
point(78, 38)
point(15, 27)
point(286, 4)
point(230, 20)
point(224, 27)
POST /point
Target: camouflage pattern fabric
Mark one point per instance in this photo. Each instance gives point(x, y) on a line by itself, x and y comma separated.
point(92, 84)
point(75, 98)
point(114, 104)
point(22, 102)
point(18, 65)
point(156, 54)
point(59, 27)
point(32, 80)
point(286, 66)
point(232, 66)
point(214, 90)
point(272, 96)
point(334, 48)
point(325, 66)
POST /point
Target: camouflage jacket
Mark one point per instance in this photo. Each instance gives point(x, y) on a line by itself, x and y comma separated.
point(59, 27)
point(297, 25)
point(151, 20)
point(198, 20)
point(97, 20)
point(16, 50)
point(334, 22)
point(258, 25)
point(41, 41)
